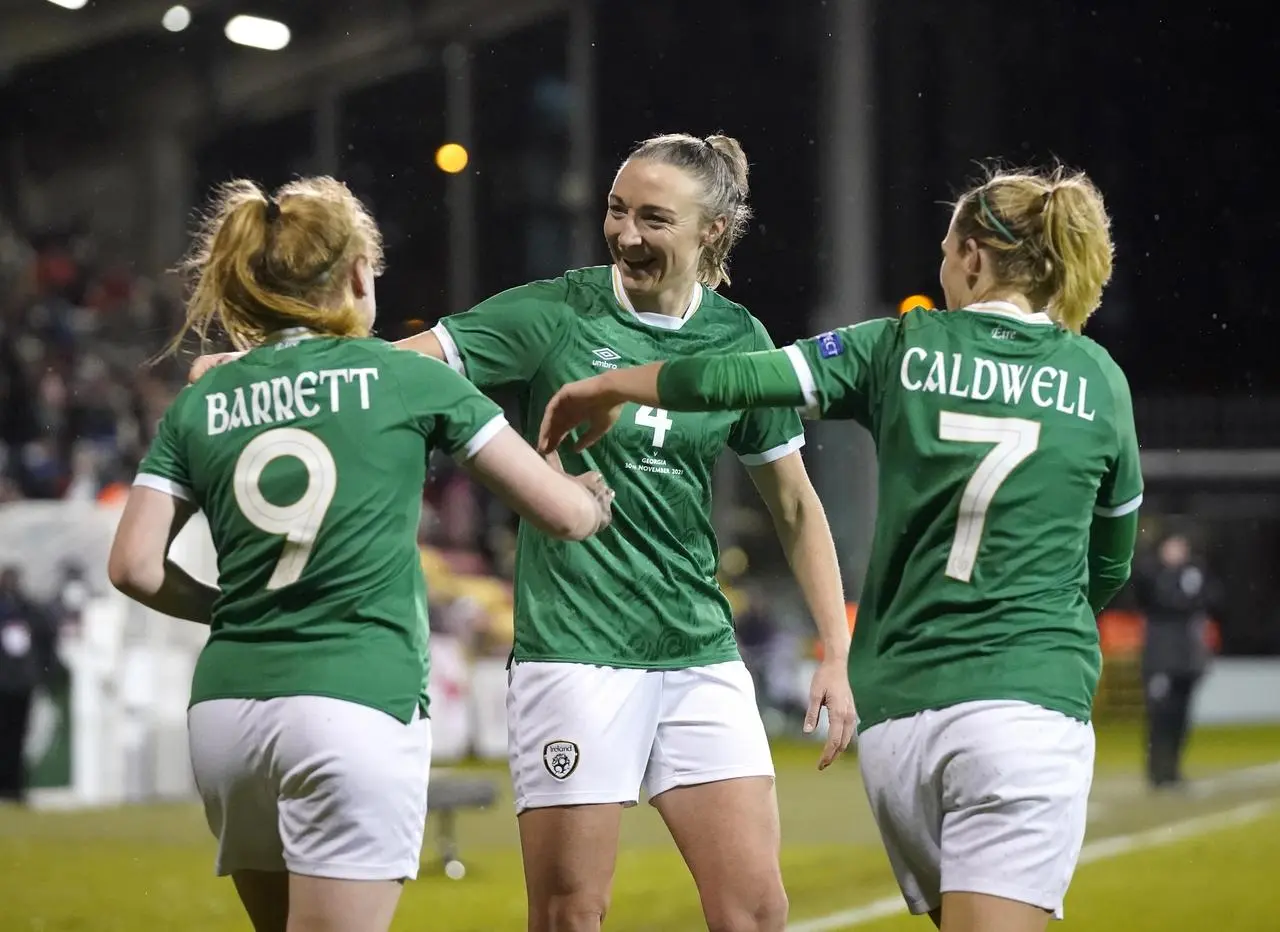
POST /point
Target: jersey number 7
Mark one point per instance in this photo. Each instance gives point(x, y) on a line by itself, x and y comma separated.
point(298, 523)
point(1015, 439)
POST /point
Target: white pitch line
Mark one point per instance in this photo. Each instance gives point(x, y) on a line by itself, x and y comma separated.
point(1100, 850)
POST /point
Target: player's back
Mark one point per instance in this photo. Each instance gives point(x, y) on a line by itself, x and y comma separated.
point(999, 435)
point(309, 463)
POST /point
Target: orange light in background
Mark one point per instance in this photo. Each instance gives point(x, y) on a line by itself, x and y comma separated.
point(915, 300)
point(451, 158)
point(734, 562)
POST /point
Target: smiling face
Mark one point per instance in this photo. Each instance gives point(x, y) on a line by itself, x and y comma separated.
point(655, 229)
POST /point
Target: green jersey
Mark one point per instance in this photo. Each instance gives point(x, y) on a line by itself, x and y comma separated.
point(308, 458)
point(643, 592)
point(999, 435)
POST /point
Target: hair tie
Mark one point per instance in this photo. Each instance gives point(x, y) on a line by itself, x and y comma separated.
point(995, 222)
point(273, 210)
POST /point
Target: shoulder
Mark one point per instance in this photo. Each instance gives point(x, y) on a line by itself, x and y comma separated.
point(1108, 369)
point(575, 290)
point(716, 309)
point(403, 362)
point(862, 337)
point(186, 397)
point(1097, 353)
point(545, 298)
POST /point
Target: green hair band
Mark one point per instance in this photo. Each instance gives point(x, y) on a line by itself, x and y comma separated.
point(995, 221)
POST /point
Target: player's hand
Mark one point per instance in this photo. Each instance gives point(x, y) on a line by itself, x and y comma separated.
point(830, 688)
point(594, 483)
point(203, 364)
point(589, 400)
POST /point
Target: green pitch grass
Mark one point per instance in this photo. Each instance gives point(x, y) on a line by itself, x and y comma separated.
point(150, 867)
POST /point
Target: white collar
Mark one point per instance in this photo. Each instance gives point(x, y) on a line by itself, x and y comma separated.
point(1009, 309)
point(663, 321)
point(289, 336)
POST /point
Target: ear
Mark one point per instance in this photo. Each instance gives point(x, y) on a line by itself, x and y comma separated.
point(971, 257)
point(714, 230)
point(358, 269)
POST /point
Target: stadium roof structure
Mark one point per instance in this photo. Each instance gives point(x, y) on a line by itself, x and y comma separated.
point(35, 32)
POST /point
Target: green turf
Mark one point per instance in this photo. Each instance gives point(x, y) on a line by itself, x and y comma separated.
point(1219, 882)
point(149, 867)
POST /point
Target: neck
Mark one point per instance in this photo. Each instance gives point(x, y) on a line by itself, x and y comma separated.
point(1009, 296)
point(670, 302)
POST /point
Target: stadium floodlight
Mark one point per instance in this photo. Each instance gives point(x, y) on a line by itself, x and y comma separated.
point(176, 18)
point(452, 158)
point(257, 33)
point(70, 4)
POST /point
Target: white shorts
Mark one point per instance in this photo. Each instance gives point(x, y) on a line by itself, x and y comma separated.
point(312, 785)
point(981, 797)
point(580, 734)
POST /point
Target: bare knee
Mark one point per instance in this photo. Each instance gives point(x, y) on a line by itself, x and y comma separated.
point(758, 909)
point(569, 911)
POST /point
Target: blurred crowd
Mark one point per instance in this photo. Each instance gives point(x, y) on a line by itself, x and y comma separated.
point(78, 401)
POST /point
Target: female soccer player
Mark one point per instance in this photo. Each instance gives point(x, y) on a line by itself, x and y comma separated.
point(626, 675)
point(1008, 497)
point(309, 738)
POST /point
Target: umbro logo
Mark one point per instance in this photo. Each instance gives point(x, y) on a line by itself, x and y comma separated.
point(605, 358)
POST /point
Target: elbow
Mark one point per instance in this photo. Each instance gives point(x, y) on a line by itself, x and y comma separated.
point(131, 576)
point(576, 521)
point(571, 526)
point(1114, 577)
point(795, 509)
point(560, 530)
point(1105, 585)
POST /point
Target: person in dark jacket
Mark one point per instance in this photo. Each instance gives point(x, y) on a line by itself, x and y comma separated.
point(1174, 595)
point(28, 640)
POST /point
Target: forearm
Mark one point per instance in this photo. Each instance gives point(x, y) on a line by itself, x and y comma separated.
point(1111, 545)
point(728, 382)
point(175, 593)
point(806, 540)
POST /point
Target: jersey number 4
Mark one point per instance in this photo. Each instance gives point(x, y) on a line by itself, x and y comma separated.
point(1015, 439)
point(656, 418)
point(298, 523)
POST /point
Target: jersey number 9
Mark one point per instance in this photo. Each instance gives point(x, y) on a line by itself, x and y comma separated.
point(298, 523)
point(1015, 439)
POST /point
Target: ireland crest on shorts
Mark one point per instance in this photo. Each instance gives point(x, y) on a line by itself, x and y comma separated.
point(560, 758)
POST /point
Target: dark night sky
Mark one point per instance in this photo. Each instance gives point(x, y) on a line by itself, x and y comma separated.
point(1171, 113)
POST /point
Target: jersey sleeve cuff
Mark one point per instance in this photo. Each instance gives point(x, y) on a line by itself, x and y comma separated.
point(807, 384)
point(773, 453)
point(161, 484)
point(1119, 511)
point(451, 354)
point(481, 437)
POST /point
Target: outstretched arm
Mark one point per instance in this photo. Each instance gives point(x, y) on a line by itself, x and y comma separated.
point(561, 506)
point(730, 382)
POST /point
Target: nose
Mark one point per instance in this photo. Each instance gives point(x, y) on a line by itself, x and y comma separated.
point(628, 233)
